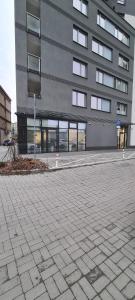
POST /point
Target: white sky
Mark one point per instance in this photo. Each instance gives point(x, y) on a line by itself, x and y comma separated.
point(7, 51)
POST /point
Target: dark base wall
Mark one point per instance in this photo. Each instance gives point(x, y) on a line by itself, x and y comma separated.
point(22, 134)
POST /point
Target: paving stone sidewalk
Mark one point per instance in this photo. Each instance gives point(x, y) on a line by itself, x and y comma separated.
point(69, 235)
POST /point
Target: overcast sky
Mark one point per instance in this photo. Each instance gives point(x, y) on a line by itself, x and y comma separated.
point(7, 51)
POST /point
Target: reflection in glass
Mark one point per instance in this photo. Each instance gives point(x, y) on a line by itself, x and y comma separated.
point(33, 63)
point(52, 138)
point(50, 123)
point(33, 23)
point(82, 126)
point(30, 139)
point(63, 140)
point(44, 141)
point(63, 124)
point(72, 139)
point(81, 140)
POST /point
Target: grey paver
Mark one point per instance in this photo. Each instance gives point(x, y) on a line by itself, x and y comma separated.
point(87, 288)
point(115, 292)
point(121, 281)
point(101, 283)
point(35, 292)
point(78, 292)
point(129, 290)
point(51, 288)
point(57, 229)
point(60, 282)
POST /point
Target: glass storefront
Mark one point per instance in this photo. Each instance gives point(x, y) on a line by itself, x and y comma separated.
point(30, 139)
point(72, 140)
point(63, 140)
point(56, 136)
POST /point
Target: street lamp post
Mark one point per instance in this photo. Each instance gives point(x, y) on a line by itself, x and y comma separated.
point(34, 126)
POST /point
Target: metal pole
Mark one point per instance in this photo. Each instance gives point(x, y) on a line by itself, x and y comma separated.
point(34, 126)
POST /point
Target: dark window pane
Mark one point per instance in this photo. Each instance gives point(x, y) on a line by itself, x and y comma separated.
point(63, 139)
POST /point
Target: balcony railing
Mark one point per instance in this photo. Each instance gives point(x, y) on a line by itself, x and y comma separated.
point(33, 24)
point(34, 63)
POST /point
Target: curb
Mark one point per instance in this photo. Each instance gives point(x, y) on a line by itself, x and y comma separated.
point(37, 171)
point(90, 164)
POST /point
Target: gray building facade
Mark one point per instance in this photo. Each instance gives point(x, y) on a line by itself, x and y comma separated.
point(75, 58)
point(122, 7)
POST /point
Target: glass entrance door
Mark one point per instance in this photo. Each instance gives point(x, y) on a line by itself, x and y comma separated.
point(122, 138)
point(52, 140)
point(72, 139)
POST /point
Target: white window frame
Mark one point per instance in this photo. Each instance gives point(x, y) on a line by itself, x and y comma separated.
point(123, 85)
point(99, 104)
point(78, 33)
point(118, 33)
point(99, 46)
point(81, 66)
point(122, 2)
point(81, 3)
point(121, 109)
point(77, 98)
point(124, 60)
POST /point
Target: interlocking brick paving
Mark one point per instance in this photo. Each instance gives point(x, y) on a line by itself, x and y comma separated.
point(69, 235)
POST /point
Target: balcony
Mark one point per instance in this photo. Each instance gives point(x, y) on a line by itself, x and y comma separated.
point(33, 24)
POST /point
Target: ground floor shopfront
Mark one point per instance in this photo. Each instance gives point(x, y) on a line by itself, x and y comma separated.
point(55, 136)
point(51, 135)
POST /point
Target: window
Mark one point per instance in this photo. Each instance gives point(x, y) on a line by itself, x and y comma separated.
point(50, 123)
point(105, 23)
point(104, 78)
point(111, 81)
point(81, 5)
point(121, 2)
point(121, 85)
point(101, 49)
point(63, 124)
point(121, 109)
point(100, 104)
point(79, 68)
point(78, 99)
point(33, 63)
point(80, 36)
point(33, 24)
point(124, 62)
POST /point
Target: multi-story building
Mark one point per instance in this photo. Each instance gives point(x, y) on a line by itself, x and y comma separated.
point(5, 115)
point(126, 9)
point(75, 59)
point(122, 7)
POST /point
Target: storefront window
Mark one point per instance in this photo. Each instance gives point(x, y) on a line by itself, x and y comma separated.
point(30, 139)
point(72, 139)
point(50, 123)
point(73, 125)
point(63, 124)
point(81, 140)
point(55, 136)
point(52, 140)
point(30, 122)
point(81, 126)
point(63, 140)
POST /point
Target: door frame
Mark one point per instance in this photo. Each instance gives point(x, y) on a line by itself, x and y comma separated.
point(57, 139)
